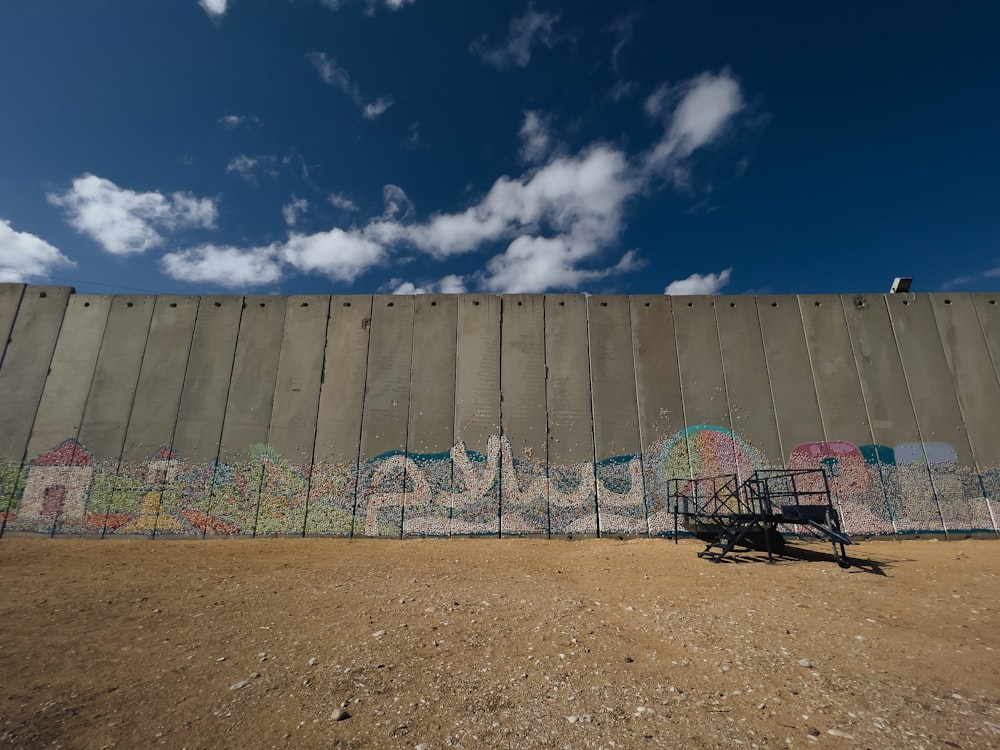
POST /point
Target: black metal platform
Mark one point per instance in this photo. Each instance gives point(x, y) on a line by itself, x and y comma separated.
point(728, 513)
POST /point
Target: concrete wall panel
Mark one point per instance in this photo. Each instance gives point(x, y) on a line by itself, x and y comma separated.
point(944, 439)
point(909, 492)
point(707, 447)
point(661, 408)
point(10, 299)
point(524, 458)
point(248, 413)
point(148, 458)
point(988, 311)
point(430, 434)
point(106, 418)
point(32, 342)
point(572, 491)
point(476, 465)
point(64, 397)
point(617, 451)
point(382, 472)
point(294, 410)
point(856, 482)
point(198, 431)
point(333, 484)
point(795, 401)
point(977, 390)
point(751, 402)
point(57, 423)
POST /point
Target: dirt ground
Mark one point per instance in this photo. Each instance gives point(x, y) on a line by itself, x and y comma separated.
point(483, 643)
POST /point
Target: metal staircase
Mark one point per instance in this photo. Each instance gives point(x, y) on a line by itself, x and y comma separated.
point(728, 514)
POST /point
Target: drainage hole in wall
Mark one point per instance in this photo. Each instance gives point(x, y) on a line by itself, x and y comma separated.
point(604, 304)
point(818, 304)
point(391, 304)
point(647, 304)
point(347, 304)
point(129, 304)
point(86, 304)
point(218, 304)
point(519, 304)
point(434, 304)
point(690, 304)
point(732, 304)
point(173, 304)
point(947, 301)
point(476, 303)
point(906, 301)
point(43, 295)
point(304, 304)
point(774, 304)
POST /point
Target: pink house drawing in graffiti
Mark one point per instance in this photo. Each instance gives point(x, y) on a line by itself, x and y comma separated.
point(56, 487)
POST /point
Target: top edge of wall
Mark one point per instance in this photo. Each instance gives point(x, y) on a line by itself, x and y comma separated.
point(824, 296)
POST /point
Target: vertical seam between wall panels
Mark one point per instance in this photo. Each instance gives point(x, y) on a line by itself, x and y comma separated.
point(13, 320)
point(454, 413)
point(593, 425)
point(222, 428)
point(93, 372)
point(38, 403)
point(638, 416)
point(680, 385)
point(409, 406)
point(315, 428)
point(361, 426)
point(868, 416)
point(128, 416)
point(989, 351)
point(499, 459)
point(545, 363)
point(913, 408)
point(187, 364)
point(812, 370)
point(961, 412)
point(725, 385)
point(267, 433)
point(770, 383)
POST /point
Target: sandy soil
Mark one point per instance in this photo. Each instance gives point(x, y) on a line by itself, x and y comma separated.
point(495, 643)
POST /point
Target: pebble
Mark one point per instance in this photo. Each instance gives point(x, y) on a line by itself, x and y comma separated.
point(239, 685)
point(572, 719)
point(339, 714)
point(379, 634)
point(422, 746)
point(313, 662)
point(805, 663)
point(839, 733)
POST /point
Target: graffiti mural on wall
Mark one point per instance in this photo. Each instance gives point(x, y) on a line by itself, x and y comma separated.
point(913, 487)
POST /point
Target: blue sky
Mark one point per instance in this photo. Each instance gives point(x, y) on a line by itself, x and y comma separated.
point(360, 146)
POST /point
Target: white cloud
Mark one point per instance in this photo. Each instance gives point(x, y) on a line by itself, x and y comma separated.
point(214, 8)
point(123, 221)
point(231, 122)
point(24, 257)
point(341, 255)
point(230, 267)
point(451, 284)
point(292, 211)
point(537, 142)
point(706, 106)
point(341, 201)
point(376, 108)
point(553, 223)
point(696, 283)
point(397, 203)
point(525, 31)
point(334, 75)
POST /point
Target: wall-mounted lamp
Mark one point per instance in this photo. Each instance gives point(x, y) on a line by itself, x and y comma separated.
point(901, 285)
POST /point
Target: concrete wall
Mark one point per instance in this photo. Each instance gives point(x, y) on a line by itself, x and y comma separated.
point(490, 415)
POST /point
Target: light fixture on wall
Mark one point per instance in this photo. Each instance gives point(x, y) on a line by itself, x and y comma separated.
point(901, 285)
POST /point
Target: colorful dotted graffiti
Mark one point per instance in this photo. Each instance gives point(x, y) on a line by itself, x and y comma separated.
point(910, 488)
